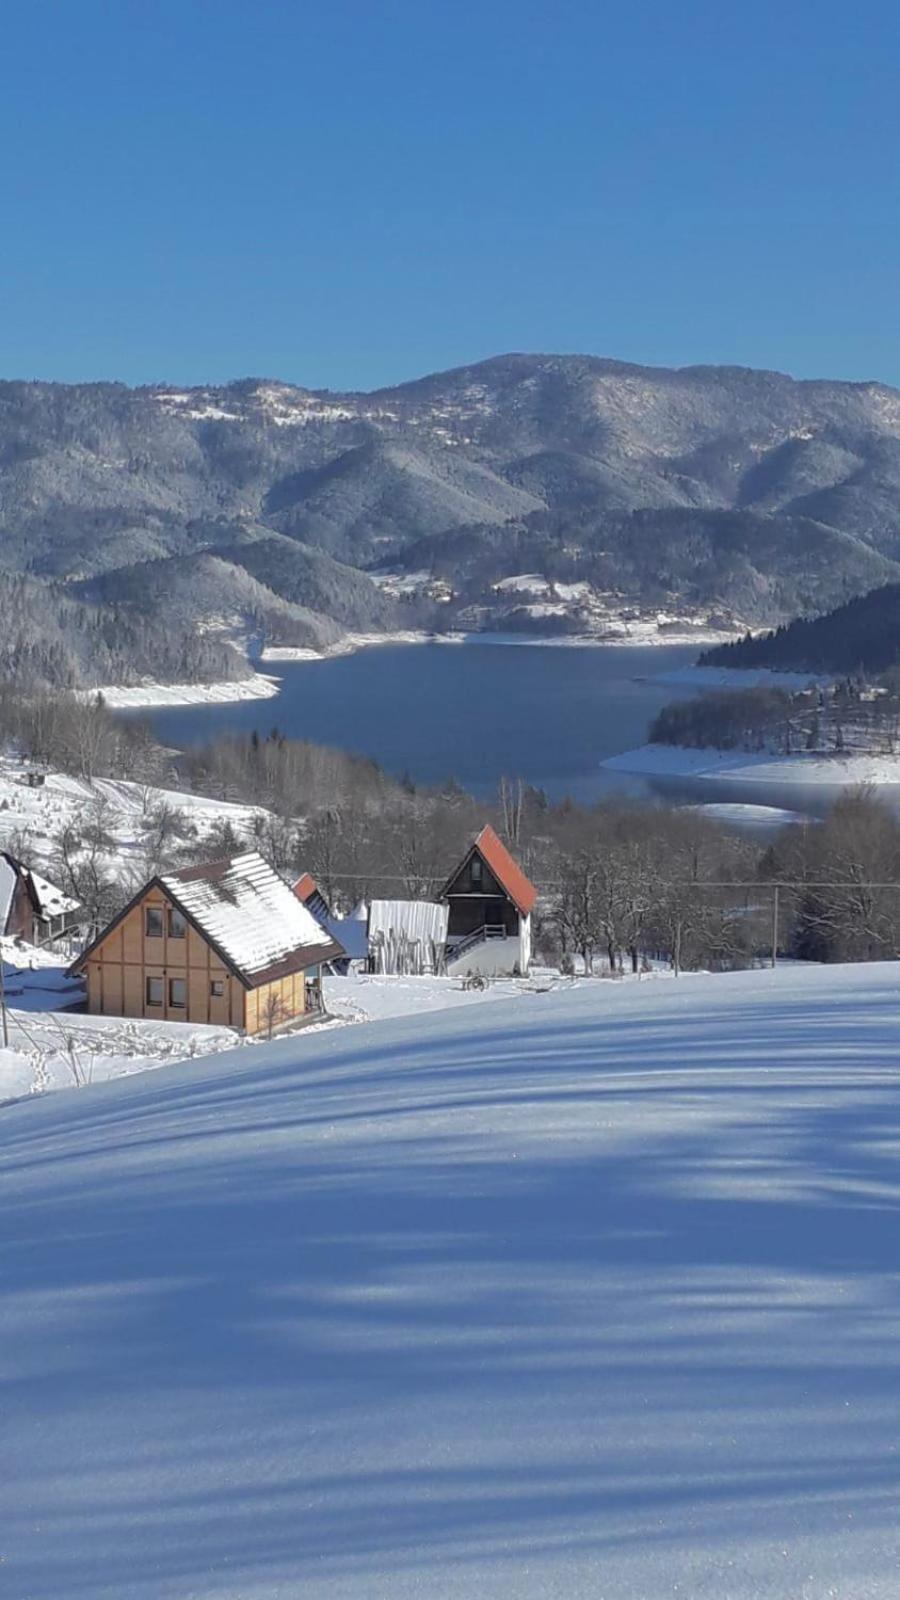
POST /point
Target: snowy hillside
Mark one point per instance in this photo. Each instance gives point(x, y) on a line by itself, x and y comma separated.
point(40, 814)
point(593, 1294)
point(588, 1295)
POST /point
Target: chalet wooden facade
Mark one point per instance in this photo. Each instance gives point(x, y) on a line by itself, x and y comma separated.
point(31, 908)
point(490, 904)
point(226, 942)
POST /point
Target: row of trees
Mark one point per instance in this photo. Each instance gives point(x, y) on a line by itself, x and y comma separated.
point(850, 714)
point(863, 635)
point(846, 907)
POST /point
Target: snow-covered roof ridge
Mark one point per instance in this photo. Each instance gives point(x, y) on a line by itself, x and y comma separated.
point(251, 915)
point(47, 899)
point(52, 901)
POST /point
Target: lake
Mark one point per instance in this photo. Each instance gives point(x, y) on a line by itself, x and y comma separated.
point(475, 712)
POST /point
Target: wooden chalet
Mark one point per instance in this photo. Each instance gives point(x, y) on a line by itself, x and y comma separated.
point(31, 908)
point(227, 942)
point(490, 904)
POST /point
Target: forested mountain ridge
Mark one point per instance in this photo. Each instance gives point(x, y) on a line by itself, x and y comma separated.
point(743, 493)
point(862, 637)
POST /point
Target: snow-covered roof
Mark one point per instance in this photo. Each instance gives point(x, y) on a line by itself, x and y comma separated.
point(251, 916)
point(52, 901)
point(47, 900)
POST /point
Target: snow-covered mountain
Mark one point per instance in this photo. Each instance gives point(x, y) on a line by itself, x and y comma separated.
point(743, 493)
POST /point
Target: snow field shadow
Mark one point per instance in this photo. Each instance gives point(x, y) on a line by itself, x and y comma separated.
point(595, 1290)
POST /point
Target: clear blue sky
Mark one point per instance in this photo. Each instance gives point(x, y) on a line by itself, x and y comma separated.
point(351, 192)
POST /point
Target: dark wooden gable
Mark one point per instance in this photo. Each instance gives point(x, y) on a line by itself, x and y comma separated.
point(464, 881)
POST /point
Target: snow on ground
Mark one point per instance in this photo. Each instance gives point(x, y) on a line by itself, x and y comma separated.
point(64, 1050)
point(365, 998)
point(592, 1294)
point(523, 583)
point(351, 642)
point(51, 1047)
point(259, 686)
point(38, 993)
point(808, 769)
point(60, 800)
point(741, 815)
point(739, 678)
point(614, 631)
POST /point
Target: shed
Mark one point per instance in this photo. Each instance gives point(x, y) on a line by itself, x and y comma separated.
point(407, 936)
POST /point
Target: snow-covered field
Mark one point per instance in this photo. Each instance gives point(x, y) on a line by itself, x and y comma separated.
point(372, 998)
point(51, 1047)
point(62, 1050)
point(259, 686)
point(830, 771)
point(590, 1295)
point(60, 800)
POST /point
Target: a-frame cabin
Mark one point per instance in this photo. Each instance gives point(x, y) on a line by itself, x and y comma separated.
point(491, 902)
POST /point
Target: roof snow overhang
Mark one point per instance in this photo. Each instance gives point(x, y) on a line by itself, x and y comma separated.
point(295, 961)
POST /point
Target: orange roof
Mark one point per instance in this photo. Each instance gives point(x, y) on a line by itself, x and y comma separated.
point(508, 873)
point(306, 887)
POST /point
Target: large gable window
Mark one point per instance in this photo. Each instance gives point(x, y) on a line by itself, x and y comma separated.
point(476, 872)
point(177, 924)
point(153, 922)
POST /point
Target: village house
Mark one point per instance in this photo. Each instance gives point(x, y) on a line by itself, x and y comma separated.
point(31, 908)
point(480, 924)
point(226, 942)
point(349, 932)
point(490, 904)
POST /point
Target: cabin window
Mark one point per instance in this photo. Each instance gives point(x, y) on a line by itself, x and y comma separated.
point(153, 922)
point(177, 993)
point(476, 871)
point(154, 991)
point(217, 988)
point(177, 924)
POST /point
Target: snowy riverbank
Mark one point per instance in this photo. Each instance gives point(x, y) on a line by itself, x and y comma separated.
point(637, 635)
point(806, 770)
point(137, 696)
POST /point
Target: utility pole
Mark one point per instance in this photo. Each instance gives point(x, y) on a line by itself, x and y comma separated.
point(776, 887)
point(3, 1005)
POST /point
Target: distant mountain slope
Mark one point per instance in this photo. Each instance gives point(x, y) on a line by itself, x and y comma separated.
point(50, 635)
point(722, 488)
point(863, 635)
